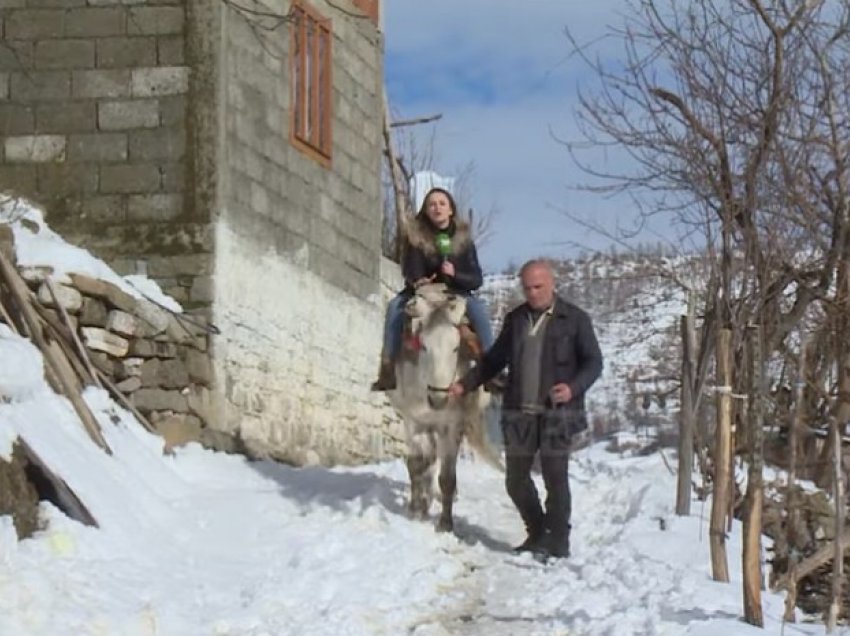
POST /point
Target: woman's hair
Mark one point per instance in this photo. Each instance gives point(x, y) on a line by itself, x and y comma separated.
point(423, 209)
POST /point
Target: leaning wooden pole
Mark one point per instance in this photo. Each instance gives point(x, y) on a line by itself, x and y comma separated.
point(754, 499)
point(397, 181)
point(722, 458)
point(57, 367)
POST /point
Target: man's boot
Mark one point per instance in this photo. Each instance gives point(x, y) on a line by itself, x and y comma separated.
point(532, 541)
point(556, 543)
point(535, 527)
point(386, 376)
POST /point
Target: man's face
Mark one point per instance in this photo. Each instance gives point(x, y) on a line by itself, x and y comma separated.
point(538, 287)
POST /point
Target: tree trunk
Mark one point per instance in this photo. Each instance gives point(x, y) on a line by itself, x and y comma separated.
point(722, 458)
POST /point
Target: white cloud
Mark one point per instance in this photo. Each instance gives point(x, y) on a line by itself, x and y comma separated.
point(500, 76)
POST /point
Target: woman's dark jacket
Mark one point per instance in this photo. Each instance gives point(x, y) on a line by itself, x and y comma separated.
point(570, 355)
point(421, 258)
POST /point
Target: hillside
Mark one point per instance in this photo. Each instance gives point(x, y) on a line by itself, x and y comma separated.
point(635, 305)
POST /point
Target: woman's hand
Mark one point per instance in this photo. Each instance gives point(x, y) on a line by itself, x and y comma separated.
point(448, 268)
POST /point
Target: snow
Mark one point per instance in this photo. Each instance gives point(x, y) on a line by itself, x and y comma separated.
point(205, 543)
point(37, 245)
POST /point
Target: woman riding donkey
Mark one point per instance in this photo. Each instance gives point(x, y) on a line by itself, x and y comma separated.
point(440, 249)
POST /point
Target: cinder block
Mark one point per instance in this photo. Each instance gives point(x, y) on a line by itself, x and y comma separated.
point(44, 4)
point(126, 52)
point(171, 51)
point(16, 120)
point(18, 177)
point(50, 54)
point(154, 207)
point(127, 114)
point(97, 147)
point(35, 148)
point(67, 117)
point(96, 22)
point(35, 24)
point(155, 20)
point(173, 177)
point(173, 110)
point(160, 143)
point(40, 86)
point(16, 55)
point(101, 83)
point(144, 178)
point(165, 80)
point(62, 179)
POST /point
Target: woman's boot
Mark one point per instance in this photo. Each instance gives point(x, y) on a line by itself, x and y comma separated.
point(386, 376)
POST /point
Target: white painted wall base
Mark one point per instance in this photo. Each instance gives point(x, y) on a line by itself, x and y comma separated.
point(294, 361)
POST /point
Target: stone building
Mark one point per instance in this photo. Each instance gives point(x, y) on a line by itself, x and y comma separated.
point(230, 151)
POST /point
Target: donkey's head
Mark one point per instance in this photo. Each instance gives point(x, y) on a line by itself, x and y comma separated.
point(437, 315)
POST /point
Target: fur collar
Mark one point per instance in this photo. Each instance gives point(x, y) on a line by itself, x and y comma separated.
point(422, 236)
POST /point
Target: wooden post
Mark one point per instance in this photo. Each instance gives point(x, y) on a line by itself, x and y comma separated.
point(397, 181)
point(755, 487)
point(687, 422)
point(838, 555)
point(722, 458)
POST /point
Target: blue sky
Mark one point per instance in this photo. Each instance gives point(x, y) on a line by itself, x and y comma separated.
point(499, 74)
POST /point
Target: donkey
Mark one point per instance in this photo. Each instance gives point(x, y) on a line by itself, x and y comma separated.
point(434, 423)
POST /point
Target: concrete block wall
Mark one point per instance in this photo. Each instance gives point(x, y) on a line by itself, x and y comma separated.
point(94, 127)
point(298, 255)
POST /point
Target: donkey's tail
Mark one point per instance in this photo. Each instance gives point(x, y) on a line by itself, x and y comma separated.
point(476, 432)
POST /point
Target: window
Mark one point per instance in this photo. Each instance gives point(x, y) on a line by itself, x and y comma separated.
point(369, 7)
point(311, 82)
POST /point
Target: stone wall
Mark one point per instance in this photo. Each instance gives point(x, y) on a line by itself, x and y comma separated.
point(156, 358)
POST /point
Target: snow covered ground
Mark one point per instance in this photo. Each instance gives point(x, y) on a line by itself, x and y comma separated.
point(201, 543)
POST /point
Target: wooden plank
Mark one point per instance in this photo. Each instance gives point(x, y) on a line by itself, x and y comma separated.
point(52, 353)
point(67, 498)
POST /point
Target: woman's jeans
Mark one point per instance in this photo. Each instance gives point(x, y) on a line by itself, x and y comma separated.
point(476, 310)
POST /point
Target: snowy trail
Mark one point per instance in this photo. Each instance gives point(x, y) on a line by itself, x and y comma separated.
point(608, 586)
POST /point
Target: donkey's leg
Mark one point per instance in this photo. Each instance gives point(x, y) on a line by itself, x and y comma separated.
point(419, 462)
point(448, 450)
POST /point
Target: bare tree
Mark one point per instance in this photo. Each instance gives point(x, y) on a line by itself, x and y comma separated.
point(734, 117)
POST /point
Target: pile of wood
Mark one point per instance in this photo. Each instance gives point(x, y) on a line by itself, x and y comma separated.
point(92, 333)
point(803, 548)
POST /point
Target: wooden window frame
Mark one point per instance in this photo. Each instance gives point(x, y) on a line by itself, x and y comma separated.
point(311, 104)
point(369, 7)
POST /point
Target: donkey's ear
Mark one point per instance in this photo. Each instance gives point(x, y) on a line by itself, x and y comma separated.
point(456, 309)
point(416, 307)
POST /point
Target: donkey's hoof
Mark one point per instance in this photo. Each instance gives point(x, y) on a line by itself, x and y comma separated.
point(445, 525)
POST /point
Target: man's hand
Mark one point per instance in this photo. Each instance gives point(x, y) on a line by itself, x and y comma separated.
point(456, 390)
point(561, 393)
point(448, 268)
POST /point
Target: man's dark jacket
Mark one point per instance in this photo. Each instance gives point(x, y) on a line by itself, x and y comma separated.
point(570, 354)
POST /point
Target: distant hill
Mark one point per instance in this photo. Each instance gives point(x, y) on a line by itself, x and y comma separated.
point(635, 306)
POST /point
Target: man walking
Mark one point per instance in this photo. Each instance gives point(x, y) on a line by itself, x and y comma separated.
point(553, 358)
